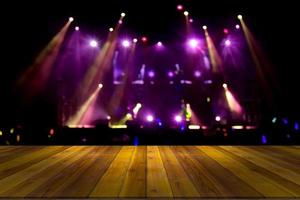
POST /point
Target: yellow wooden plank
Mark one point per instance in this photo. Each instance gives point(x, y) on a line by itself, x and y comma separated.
point(251, 177)
point(280, 158)
point(86, 178)
point(272, 177)
point(13, 165)
point(222, 178)
point(198, 175)
point(271, 166)
point(157, 180)
point(111, 182)
point(180, 182)
point(17, 178)
point(135, 179)
point(68, 164)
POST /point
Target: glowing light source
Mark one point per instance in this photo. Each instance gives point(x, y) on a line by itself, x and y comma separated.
point(194, 127)
point(144, 39)
point(51, 132)
point(1, 133)
point(225, 31)
point(100, 85)
point(178, 118)
point(170, 74)
point(197, 74)
point(237, 127)
point(204, 27)
point(296, 126)
point(186, 13)
point(193, 43)
point(120, 22)
point(93, 43)
point(118, 126)
point(151, 74)
point(150, 118)
point(76, 28)
point(126, 43)
point(274, 120)
point(135, 40)
point(108, 117)
point(237, 26)
point(240, 17)
point(12, 130)
point(111, 29)
point(224, 85)
point(71, 19)
point(136, 109)
point(179, 7)
point(218, 118)
point(123, 14)
point(227, 42)
point(159, 44)
point(191, 20)
point(264, 139)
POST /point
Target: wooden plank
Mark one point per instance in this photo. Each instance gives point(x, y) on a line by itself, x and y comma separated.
point(273, 178)
point(198, 175)
point(65, 166)
point(280, 158)
point(157, 180)
point(111, 182)
point(13, 153)
point(249, 176)
point(281, 152)
point(19, 177)
point(86, 178)
point(270, 166)
point(135, 180)
point(221, 177)
point(180, 183)
point(14, 165)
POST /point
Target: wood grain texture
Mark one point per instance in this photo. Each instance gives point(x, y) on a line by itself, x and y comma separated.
point(149, 171)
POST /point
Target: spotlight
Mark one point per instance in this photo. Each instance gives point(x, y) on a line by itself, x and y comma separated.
point(159, 44)
point(126, 43)
point(135, 40)
point(144, 39)
point(150, 118)
point(218, 118)
point(227, 42)
point(123, 14)
point(76, 28)
point(170, 74)
point(178, 118)
point(197, 74)
point(100, 85)
point(193, 43)
point(204, 27)
point(111, 29)
point(237, 26)
point(71, 19)
point(179, 7)
point(240, 17)
point(151, 74)
point(186, 13)
point(120, 22)
point(225, 31)
point(224, 85)
point(93, 43)
point(191, 20)
point(108, 117)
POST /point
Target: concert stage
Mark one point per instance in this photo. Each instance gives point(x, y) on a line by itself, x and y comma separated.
point(149, 171)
